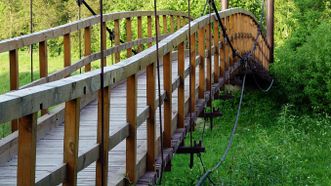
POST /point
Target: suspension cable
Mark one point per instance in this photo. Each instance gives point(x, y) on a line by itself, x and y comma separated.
point(31, 46)
point(159, 86)
point(102, 60)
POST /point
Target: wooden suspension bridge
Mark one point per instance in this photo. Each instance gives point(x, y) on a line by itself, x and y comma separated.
point(56, 120)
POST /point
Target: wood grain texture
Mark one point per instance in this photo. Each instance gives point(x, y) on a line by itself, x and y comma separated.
point(14, 79)
point(181, 87)
point(87, 46)
point(202, 77)
point(167, 85)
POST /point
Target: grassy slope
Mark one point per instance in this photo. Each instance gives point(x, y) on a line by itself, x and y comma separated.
point(273, 146)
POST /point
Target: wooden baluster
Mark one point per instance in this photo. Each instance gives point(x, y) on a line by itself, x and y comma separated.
point(226, 49)
point(27, 136)
point(150, 71)
point(67, 50)
point(165, 24)
point(71, 139)
point(201, 50)
point(222, 54)
point(87, 46)
point(14, 79)
point(181, 89)
point(167, 83)
point(131, 140)
point(230, 29)
point(192, 74)
point(128, 36)
point(117, 39)
point(178, 23)
point(149, 29)
point(43, 65)
point(208, 45)
point(140, 33)
point(216, 54)
point(102, 162)
point(172, 24)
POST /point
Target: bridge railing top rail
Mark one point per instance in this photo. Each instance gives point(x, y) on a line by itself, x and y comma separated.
point(29, 39)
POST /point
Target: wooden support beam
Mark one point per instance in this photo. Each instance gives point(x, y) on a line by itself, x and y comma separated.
point(149, 29)
point(67, 50)
point(71, 139)
point(87, 46)
point(192, 74)
point(151, 133)
point(117, 39)
point(131, 140)
point(43, 65)
point(14, 79)
point(201, 50)
point(27, 136)
point(103, 136)
point(216, 53)
point(167, 83)
point(181, 87)
point(140, 32)
point(128, 36)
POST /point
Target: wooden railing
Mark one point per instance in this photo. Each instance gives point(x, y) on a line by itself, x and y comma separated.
point(12, 46)
point(23, 105)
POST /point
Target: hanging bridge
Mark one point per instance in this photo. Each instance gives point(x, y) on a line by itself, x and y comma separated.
point(70, 129)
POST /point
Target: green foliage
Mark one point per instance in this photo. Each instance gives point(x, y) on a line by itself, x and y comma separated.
point(274, 145)
point(302, 66)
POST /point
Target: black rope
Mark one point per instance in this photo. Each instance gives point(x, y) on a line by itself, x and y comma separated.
point(159, 87)
point(102, 93)
point(31, 46)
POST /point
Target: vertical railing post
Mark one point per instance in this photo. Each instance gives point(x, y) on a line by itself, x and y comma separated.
point(208, 46)
point(103, 136)
point(71, 139)
point(225, 4)
point(128, 36)
point(43, 64)
point(167, 83)
point(140, 32)
point(181, 89)
point(149, 29)
point(222, 53)
point(67, 50)
point(178, 23)
point(165, 24)
point(150, 71)
point(270, 27)
point(131, 140)
point(103, 131)
point(201, 51)
point(14, 79)
point(87, 46)
point(192, 74)
point(172, 24)
point(27, 136)
point(117, 39)
point(216, 53)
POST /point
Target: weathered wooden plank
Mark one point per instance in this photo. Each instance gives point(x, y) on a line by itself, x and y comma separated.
point(131, 141)
point(192, 73)
point(27, 135)
point(43, 64)
point(216, 51)
point(71, 136)
point(149, 29)
point(209, 65)
point(165, 24)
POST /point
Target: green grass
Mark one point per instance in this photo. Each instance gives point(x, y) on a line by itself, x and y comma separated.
point(274, 145)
